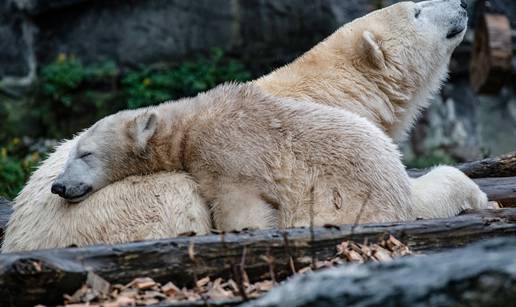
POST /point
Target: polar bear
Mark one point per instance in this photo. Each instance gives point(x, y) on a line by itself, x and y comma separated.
point(136, 208)
point(383, 86)
point(262, 161)
point(384, 66)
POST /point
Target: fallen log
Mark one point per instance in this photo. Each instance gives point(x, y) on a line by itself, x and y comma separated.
point(5, 212)
point(479, 275)
point(491, 58)
point(501, 166)
point(30, 278)
point(501, 190)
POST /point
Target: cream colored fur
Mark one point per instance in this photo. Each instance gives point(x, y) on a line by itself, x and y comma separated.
point(380, 66)
point(404, 65)
point(135, 208)
point(333, 73)
point(265, 161)
point(290, 157)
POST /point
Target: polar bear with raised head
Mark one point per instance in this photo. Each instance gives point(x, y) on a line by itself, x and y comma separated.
point(383, 67)
point(261, 161)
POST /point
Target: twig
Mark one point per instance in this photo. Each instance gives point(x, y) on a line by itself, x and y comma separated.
point(191, 255)
point(270, 262)
point(287, 249)
point(238, 275)
point(312, 234)
point(359, 215)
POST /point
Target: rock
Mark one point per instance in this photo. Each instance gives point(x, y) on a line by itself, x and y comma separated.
point(264, 34)
point(496, 118)
point(146, 32)
point(14, 57)
point(5, 212)
point(35, 7)
point(464, 125)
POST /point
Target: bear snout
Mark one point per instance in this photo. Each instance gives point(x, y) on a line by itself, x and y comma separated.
point(72, 192)
point(58, 188)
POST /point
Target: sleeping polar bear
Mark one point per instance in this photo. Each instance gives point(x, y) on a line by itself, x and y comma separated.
point(384, 67)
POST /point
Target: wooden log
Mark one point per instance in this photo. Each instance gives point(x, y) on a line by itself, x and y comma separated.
point(501, 166)
point(491, 60)
point(479, 275)
point(5, 212)
point(30, 278)
point(501, 190)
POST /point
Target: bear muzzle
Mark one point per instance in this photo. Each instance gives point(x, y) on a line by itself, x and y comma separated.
point(72, 193)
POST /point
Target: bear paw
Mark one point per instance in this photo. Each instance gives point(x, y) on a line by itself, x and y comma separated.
point(463, 191)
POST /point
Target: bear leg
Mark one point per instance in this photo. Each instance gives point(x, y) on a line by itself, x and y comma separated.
point(444, 192)
point(236, 208)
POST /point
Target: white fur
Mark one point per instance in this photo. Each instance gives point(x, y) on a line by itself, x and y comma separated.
point(136, 208)
point(268, 162)
point(415, 57)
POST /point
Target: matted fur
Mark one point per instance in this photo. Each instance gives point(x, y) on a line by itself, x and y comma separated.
point(264, 161)
point(135, 208)
point(333, 73)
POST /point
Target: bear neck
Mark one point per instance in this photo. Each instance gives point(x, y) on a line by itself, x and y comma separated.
point(330, 75)
point(167, 146)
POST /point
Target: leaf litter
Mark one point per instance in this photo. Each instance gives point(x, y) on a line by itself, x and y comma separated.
point(145, 291)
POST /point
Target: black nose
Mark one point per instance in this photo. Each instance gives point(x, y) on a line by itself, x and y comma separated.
point(58, 189)
point(463, 4)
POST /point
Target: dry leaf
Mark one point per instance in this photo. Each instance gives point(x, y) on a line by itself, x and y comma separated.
point(98, 284)
point(145, 291)
point(170, 289)
point(353, 256)
point(381, 254)
point(76, 297)
point(191, 251)
point(217, 292)
point(144, 283)
point(203, 282)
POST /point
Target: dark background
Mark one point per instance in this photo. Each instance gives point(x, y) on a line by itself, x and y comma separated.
point(65, 63)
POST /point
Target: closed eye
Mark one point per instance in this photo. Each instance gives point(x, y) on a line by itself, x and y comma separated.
point(84, 155)
point(418, 12)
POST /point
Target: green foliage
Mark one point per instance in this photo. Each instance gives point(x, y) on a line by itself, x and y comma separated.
point(61, 80)
point(15, 171)
point(148, 87)
point(436, 156)
point(70, 96)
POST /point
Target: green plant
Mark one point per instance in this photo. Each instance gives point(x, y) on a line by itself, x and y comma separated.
point(15, 171)
point(61, 79)
point(71, 95)
point(436, 156)
point(147, 87)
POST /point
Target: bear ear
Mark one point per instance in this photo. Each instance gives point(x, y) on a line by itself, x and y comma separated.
point(142, 128)
point(371, 50)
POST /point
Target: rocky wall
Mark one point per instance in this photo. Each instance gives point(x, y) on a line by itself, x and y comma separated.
point(263, 33)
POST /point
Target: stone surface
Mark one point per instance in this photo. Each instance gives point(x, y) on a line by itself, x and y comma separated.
point(263, 33)
point(34, 7)
point(13, 47)
point(135, 32)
